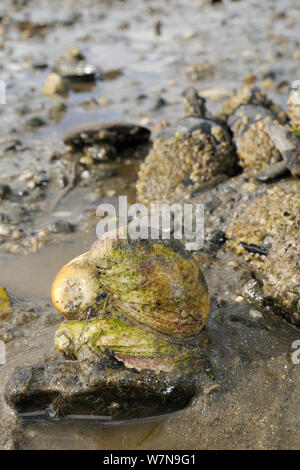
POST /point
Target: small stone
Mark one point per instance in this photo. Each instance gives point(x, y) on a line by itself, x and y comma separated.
point(249, 79)
point(218, 237)
point(296, 55)
point(145, 121)
point(111, 193)
point(85, 175)
point(76, 54)
point(54, 85)
point(239, 299)
point(43, 233)
point(187, 35)
point(87, 160)
point(36, 121)
point(233, 264)
point(15, 249)
point(31, 185)
point(255, 313)
point(102, 101)
point(60, 226)
point(16, 234)
point(4, 230)
point(251, 187)
point(4, 190)
point(267, 83)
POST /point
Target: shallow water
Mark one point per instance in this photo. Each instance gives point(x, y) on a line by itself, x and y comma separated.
point(236, 38)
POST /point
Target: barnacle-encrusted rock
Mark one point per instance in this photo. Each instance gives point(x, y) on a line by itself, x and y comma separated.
point(281, 273)
point(294, 108)
point(194, 152)
point(255, 148)
point(288, 144)
point(194, 104)
point(266, 234)
point(250, 95)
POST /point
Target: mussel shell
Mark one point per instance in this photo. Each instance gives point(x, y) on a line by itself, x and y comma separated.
point(116, 133)
point(155, 283)
point(109, 332)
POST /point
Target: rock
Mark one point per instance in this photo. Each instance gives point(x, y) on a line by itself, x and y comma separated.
point(35, 122)
point(4, 190)
point(255, 313)
point(272, 172)
point(108, 390)
point(200, 71)
point(254, 147)
point(54, 84)
point(60, 226)
point(266, 235)
point(185, 159)
point(287, 143)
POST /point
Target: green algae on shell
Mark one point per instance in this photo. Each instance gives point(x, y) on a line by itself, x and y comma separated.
point(193, 152)
point(153, 283)
point(109, 332)
point(76, 291)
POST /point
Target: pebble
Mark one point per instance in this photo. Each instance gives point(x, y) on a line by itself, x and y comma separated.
point(15, 249)
point(187, 35)
point(54, 85)
point(255, 313)
point(16, 234)
point(296, 55)
point(85, 175)
point(249, 79)
point(251, 187)
point(4, 230)
point(239, 299)
point(111, 193)
point(60, 226)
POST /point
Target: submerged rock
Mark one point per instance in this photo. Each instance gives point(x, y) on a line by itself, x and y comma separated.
point(108, 390)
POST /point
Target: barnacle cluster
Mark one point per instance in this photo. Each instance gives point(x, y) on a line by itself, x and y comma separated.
point(176, 165)
point(250, 95)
